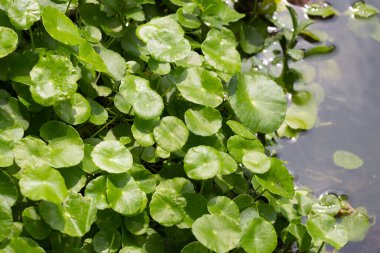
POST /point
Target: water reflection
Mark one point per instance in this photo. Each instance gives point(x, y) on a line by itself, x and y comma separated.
point(349, 117)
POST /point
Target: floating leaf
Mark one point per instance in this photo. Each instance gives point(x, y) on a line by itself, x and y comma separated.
point(43, 183)
point(258, 102)
point(256, 162)
point(171, 133)
point(8, 41)
point(356, 225)
point(8, 190)
point(259, 237)
point(219, 50)
point(112, 157)
point(323, 227)
point(34, 224)
point(54, 79)
point(60, 27)
point(320, 9)
point(202, 162)
point(217, 232)
point(124, 195)
point(200, 86)
point(361, 9)
point(23, 13)
point(204, 121)
point(74, 111)
point(73, 217)
point(347, 160)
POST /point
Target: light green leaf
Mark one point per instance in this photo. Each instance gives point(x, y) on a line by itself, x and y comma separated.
point(240, 129)
point(115, 63)
point(219, 50)
point(259, 237)
point(347, 160)
point(91, 33)
point(159, 68)
point(73, 217)
point(168, 46)
point(112, 157)
point(54, 79)
point(277, 180)
point(200, 86)
point(43, 183)
point(258, 102)
point(31, 152)
point(217, 13)
point(34, 224)
point(99, 114)
point(22, 244)
point(89, 56)
point(65, 144)
point(187, 19)
point(225, 206)
point(202, 162)
point(23, 13)
point(303, 112)
point(138, 224)
point(256, 162)
point(96, 190)
point(124, 194)
point(217, 232)
point(238, 146)
point(320, 9)
point(171, 133)
point(143, 177)
point(8, 41)
point(328, 204)
point(357, 226)
point(6, 220)
point(74, 111)
point(148, 105)
point(204, 121)
point(195, 247)
point(142, 131)
point(8, 190)
point(60, 27)
point(360, 9)
point(323, 227)
point(87, 164)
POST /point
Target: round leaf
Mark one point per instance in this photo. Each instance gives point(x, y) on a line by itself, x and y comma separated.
point(43, 183)
point(60, 27)
point(65, 144)
point(31, 152)
point(238, 147)
point(225, 206)
point(258, 102)
point(200, 86)
point(202, 162)
point(23, 13)
point(195, 247)
point(217, 232)
point(124, 195)
point(148, 105)
point(8, 41)
point(8, 190)
point(256, 162)
point(138, 224)
point(171, 133)
point(112, 157)
point(99, 114)
point(54, 79)
point(107, 240)
point(34, 224)
point(357, 226)
point(168, 46)
point(143, 177)
point(204, 121)
point(96, 190)
point(259, 237)
point(6, 221)
point(74, 111)
point(347, 160)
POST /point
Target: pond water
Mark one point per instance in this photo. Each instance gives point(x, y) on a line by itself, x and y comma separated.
point(349, 119)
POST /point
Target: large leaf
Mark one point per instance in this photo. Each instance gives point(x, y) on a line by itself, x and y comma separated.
point(259, 237)
point(8, 41)
point(54, 79)
point(73, 217)
point(23, 13)
point(258, 102)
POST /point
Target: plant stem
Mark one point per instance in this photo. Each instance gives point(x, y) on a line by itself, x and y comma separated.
point(31, 38)
point(103, 127)
point(320, 248)
point(202, 187)
point(68, 7)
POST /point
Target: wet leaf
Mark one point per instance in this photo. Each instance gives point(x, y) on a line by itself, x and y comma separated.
point(347, 160)
point(361, 9)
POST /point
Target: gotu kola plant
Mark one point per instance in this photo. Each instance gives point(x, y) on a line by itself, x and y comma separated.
point(143, 126)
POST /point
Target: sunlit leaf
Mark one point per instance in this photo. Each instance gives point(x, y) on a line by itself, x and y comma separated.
point(357, 226)
point(320, 9)
point(238, 147)
point(259, 237)
point(204, 121)
point(23, 13)
point(225, 206)
point(360, 9)
point(8, 41)
point(256, 162)
point(22, 244)
point(171, 133)
point(6, 220)
point(202, 162)
point(74, 111)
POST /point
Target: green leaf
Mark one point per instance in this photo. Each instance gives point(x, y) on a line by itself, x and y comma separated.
point(91, 33)
point(22, 244)
point(60, 27)
point(228, 164)
point(256, 162)
point(8, 190)
point(320, 9)
point(171, 133)
point(240, 129)
point(107, 240)
point(277, 180)
point(31, 152)
point(54, 79)
point(259, 237)
point(43, 183)
point(323, 227)
point(362, 10)
point(219, 50)
point(148, 105)
point(252, 37)
point(99, 114)
point(218, 13)
point(168, 46)
point(238, 146)
point(204, 121)
point(202, 162)
point(328, 204)
point(75, 178)
point(187, 19)
point(347, 160)
point(73, 217)
point(143, 177)
point(196, 206)
point(217, 232)
point(88, 55)
point(138, 224)
point(6, 220)
point(258, 102)
point(96, 190)
point(303, 112)
point(225, 206)
point(34, 224)
point(65, 144)
point(115, 63)
point(87, 165)
point(8, 41)
point(142, 131)
point(195, 247)
point(124, 194)
point(74, 111)
point(23, 13)
point(200, 86)
point(112, 157)
point(356, 225)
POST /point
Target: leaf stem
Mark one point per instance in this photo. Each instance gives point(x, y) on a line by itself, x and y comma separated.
point(321, 247)
point(31, 38)
point(68, 7)
point(103, 127)
point(202, 187)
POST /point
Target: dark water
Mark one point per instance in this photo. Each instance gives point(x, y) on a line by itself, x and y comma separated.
point(349, 119)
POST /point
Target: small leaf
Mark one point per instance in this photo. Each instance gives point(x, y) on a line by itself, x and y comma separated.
point(357, 226)
point(256, 162)
point(195, 247)
point(225, 206)
point(217, 232)
point(240, 129)
point(196, 206)
point(148, 105)
point(74, 111)
point(320, 9)
point(347, 160)
point(362, 10)
point(96, 190)
point(112, 157)
point(91, 33)
point(202, 162)
point(23, 13)
point(43, 183)
point(8, 41)
point(229, 165)
point(259, 237)
point(187, 19)
point(138, 224)
point(171, 133)
point(99, 114)
point(107, 240)
point(238, 146)
point(143, 177)
point(204, 121)
point(115, 63)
